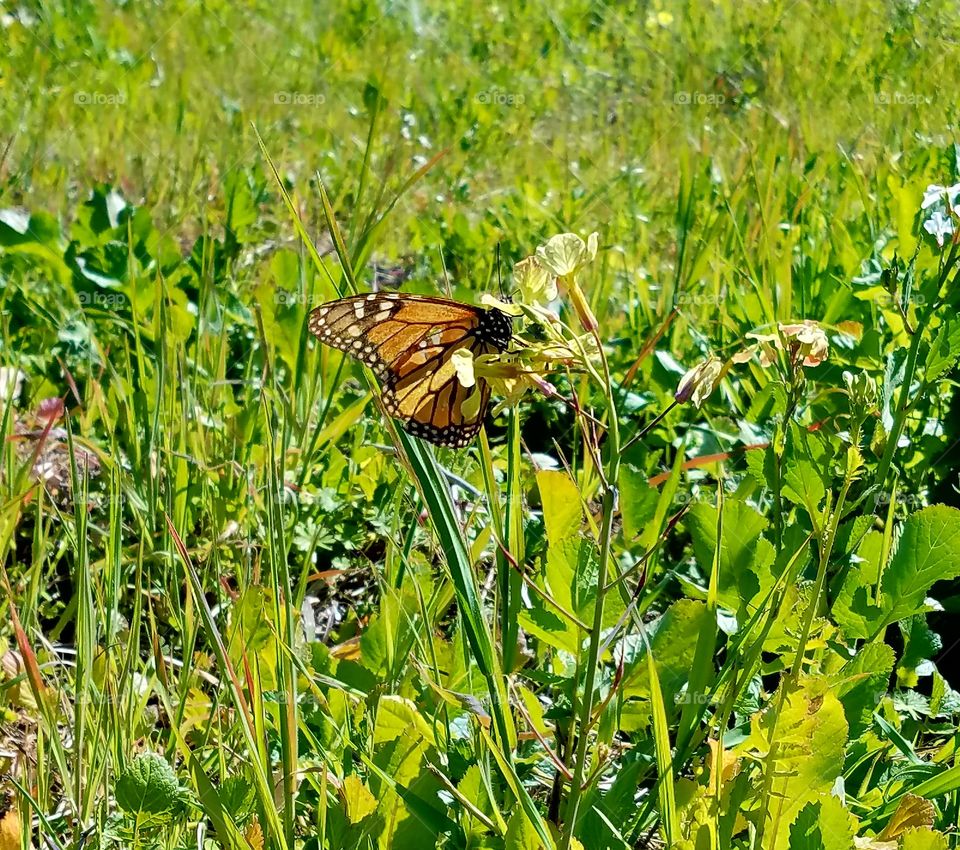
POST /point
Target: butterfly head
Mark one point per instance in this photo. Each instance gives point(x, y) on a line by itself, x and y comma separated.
point(495, 327)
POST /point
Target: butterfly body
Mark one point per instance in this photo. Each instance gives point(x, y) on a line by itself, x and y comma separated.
point(408, 342)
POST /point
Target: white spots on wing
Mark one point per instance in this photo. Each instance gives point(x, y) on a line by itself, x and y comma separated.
point(393, 296)
point(358, 310)
point(357, 344)
point(382, 316)
point(354, 330)
point(372, 296)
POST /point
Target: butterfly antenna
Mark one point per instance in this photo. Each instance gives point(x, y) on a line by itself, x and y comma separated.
point(504, 296)
point(446, 277)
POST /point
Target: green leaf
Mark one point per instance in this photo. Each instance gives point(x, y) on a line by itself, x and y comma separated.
point(398, 716)
point(861, 683)
point(923, 838)
point(745, 555)
point(358, 800)
point(920, 643)
point(520, 833)
point(803, 745)
point(570, 580)
point(823, 825)
point(805, 468)
point(928, 551)
point(944, 350)
point(638, 501)
point(561, 505)
point(673, 652)
point(149, 787)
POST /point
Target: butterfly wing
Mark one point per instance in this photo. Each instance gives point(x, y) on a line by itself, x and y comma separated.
point(408, 342)
point(427, 396)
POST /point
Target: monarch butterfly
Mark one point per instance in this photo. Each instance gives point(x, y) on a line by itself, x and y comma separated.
point(408, 341)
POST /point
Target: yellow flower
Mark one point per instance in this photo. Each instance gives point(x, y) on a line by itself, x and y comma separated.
point(564, 255)
point(537, 284)
point(805, 341)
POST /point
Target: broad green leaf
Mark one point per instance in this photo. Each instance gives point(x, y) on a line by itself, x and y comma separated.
point(861, 683)
point(806, 464)
point(745, 556)
point(923, 838)
point(561, 505)
point(673, 652)
point(928, 551)
point(944, 350)
point(542, 621)
point(638, 502)
point(398, 716)
point(358, 800)
point(149, 786)
point(570, 580)
point(473, 789)
point(520, 833)
point(823, 825)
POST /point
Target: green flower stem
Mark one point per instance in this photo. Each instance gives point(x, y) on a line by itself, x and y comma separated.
point(826, 549)
point(904, 405)
point(610, 499)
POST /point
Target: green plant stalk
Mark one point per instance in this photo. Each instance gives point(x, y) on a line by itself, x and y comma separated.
point(86, 642)
point(904, 404)
point(511, 581)
point(826, 549)
point(610, 499)
point(286, 624)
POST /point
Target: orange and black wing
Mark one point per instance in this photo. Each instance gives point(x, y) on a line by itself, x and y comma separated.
point(408, 341)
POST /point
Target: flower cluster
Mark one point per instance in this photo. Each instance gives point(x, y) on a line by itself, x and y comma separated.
point(550, 275)
point(540, 281)
point(805, 343)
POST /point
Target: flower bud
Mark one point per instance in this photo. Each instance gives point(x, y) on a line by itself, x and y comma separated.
point(697, 384)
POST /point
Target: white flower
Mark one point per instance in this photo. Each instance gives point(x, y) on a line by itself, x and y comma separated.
point(934, 194)
point(943, 202)
point(939, 226)
point(462, 360)
point(11, 380)
point(536, 283)
point(566, 253)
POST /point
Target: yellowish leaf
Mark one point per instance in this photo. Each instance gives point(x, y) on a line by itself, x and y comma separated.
point(357, 798)
point(912, 811)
